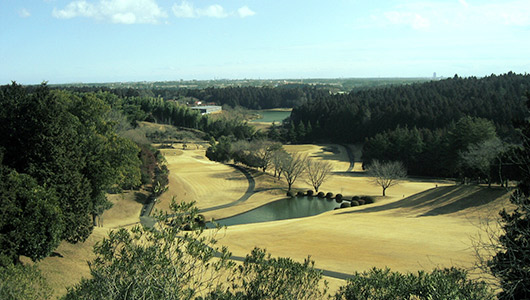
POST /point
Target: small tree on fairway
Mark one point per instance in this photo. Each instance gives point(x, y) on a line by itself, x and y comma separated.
point(317, 172)
point(277, 161)
point(482, 156)
point(386, 174)
point(292, 166)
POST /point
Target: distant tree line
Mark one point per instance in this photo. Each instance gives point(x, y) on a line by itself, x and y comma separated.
point(248, 96)
point(353, 117)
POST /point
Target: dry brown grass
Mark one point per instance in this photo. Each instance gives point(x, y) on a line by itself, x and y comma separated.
point(417, 226)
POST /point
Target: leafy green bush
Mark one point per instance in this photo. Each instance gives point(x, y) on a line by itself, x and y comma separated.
point(19, 282)
point(345, 204)
point(263, 277)
point(361, 202)
point(320, 195)
point(290, 194)
point(310, 193)
point(300, 194)
point(329, 195)
point(165, 262)
point(356, 198)
point(445, 284)
point(354, 203)
point(338, 197)
point(368, 199)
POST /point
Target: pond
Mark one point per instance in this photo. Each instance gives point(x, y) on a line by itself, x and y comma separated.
point(269, 116)
point(287, 208)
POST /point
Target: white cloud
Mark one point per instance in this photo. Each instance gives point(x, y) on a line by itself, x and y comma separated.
point(115, 11)
point(459, 15)
point(187, 10)
point(213, 11)
point(184, 10)
point(24, 13)
point(244, 12)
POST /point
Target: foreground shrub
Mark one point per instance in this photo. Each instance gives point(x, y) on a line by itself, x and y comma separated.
point(320, 195)
point(368, 199)
point(354, 203)
point(18, 282)
point(361, 202)
point(290, 194)
point(329, 195)
point(300, 194)
point(444, 284)
point(164, 262)
point(339, 197)
point(310, 193)
point(264, 277)
point(356, 198)
point(345, 204)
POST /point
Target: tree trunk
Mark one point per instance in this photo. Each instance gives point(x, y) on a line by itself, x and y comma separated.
point(384, 190)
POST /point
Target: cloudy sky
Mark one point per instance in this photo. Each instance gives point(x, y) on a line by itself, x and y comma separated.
point(62, 41)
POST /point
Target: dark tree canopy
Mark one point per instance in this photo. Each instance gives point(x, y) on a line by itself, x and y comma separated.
point(65, 144)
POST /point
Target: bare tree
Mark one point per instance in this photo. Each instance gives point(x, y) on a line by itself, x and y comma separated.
point(265, 152)
point(277, 161)
point(317, 172)
point(292, 166)
point(386, 174)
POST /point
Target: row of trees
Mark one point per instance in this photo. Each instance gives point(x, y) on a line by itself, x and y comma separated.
point(265, 155)
point(246, 96)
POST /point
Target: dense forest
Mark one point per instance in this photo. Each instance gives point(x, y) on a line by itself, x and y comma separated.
point(353, 117)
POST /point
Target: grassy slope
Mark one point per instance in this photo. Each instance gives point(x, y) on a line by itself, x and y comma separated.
point(416, 227)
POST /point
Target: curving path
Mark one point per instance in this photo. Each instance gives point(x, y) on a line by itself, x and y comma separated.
point(246, 195)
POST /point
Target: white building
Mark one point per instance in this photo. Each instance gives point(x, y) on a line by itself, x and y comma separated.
point(204, 110)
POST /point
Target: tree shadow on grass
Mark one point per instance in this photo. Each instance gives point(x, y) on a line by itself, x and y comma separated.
point(442, 200)
point(140, 197)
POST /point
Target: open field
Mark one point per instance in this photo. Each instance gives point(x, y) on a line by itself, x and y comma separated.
point(421, 224)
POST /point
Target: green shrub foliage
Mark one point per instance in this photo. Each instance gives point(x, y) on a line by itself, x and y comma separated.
point(345, 204)
point(300, 194)
point(329, 195)
point(354, 203)
point(361, 201)
point(339, 197)
point(263, 277)
point(321, 195)
point(19, 282)
point(446, 284)
point(310, 193)
point(166, 262)
point(368, 199)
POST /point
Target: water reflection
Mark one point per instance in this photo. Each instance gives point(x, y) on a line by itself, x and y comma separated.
point(288, 208)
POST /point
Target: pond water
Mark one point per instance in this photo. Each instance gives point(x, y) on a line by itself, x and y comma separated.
point(287, 208)
point(270, 116)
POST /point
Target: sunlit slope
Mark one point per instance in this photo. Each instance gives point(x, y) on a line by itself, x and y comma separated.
point(431, 229)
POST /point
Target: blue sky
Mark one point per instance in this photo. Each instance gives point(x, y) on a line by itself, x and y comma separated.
point(63, 41)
